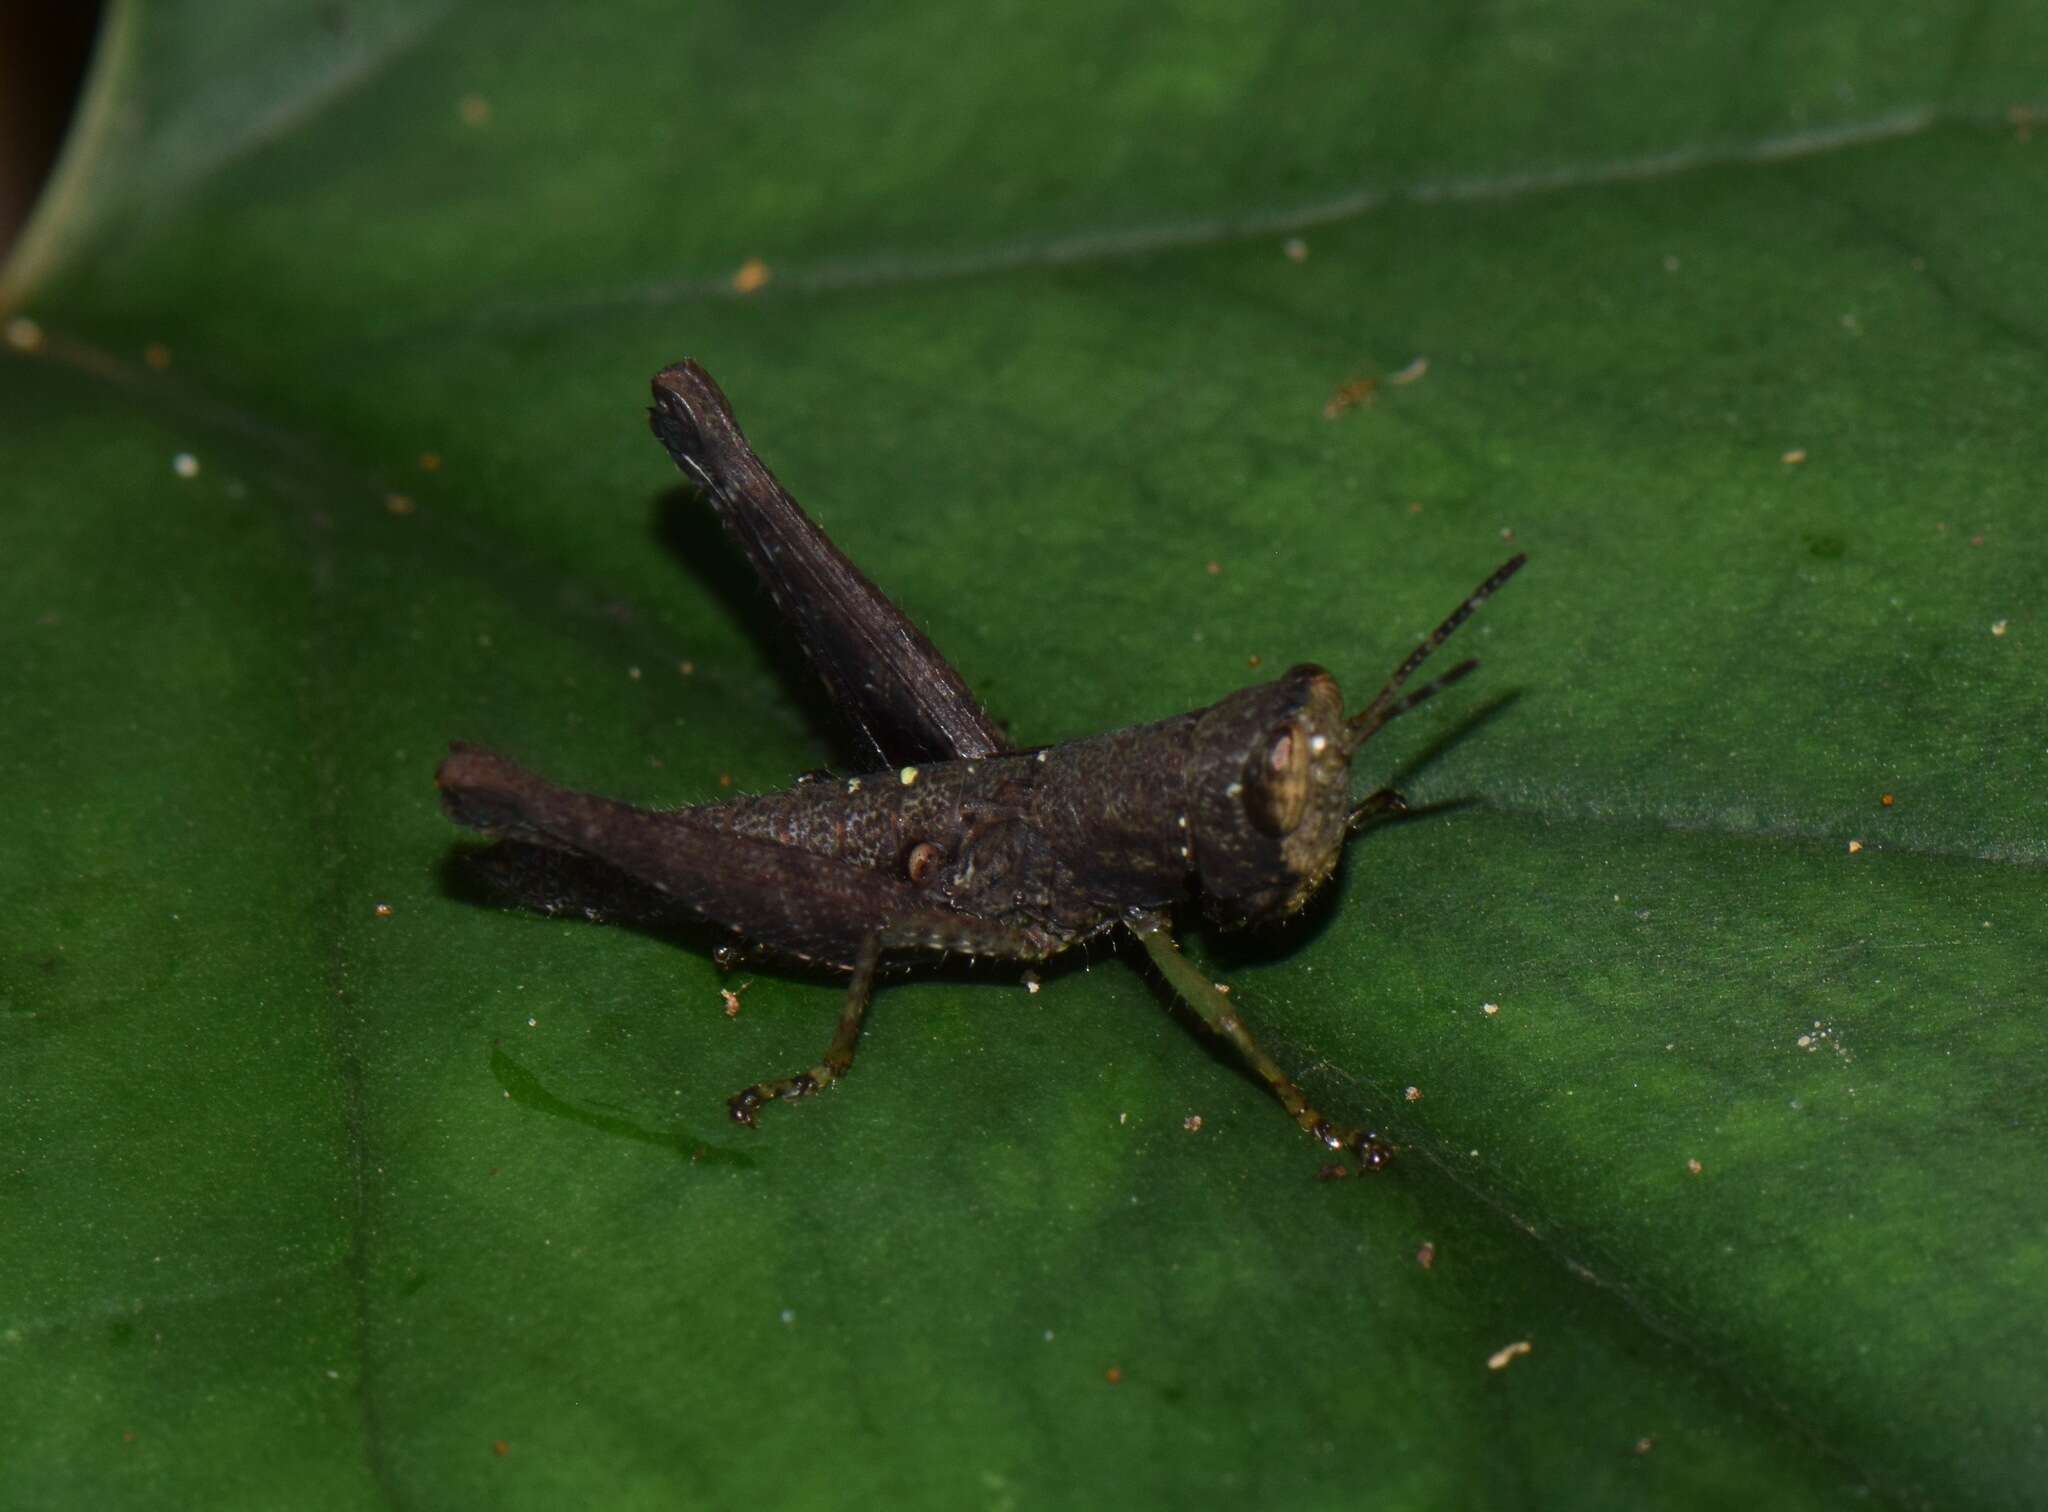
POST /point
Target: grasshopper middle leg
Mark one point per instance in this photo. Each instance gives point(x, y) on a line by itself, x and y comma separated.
point(915, 931)
point(838, 1059)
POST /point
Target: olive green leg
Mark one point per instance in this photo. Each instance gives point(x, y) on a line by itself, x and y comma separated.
point(838, 1057)
point(923, 930)
point(1202, 995)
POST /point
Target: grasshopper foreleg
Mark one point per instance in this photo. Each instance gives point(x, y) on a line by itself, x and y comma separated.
point(1216, 1011)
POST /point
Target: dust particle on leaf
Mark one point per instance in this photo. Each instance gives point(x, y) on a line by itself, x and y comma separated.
point(1998, 627)
point(1645, 1444)
point(500, 1448)
point(430, 461)
point(476, 110)
point(1491, 1010)
point(1885, 799)
point(1350, 394)
point(1425, 1255)
point(185, 465)
point(157, 355)
point(1694, 1167)
point(751, 276)
point(1192, 1123)
point(1413, 1094)
point(1114, 1375)
point(1507, 1354)
point(1855, 846)
point(1295, 249)
point(398, 504)
point(383, 910)
point(1410, 373)
point(1794, 457)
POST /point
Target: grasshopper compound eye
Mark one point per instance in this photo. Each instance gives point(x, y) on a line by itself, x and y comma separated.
point(1276, 782)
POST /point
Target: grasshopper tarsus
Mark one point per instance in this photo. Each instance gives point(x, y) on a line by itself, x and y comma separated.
point(745, 1106)
point(1362, 1145)
point(1365, 1148)
point(1369, 1152)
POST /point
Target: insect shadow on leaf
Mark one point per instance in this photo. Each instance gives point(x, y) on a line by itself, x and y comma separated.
point(699, 546)
point(956, 841)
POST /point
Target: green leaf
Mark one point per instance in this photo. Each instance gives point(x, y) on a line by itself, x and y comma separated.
point(1730, 318)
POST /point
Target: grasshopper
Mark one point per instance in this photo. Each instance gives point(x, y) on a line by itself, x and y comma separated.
point(958, 841)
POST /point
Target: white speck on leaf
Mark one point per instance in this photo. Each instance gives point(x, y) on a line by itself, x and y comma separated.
point(1501, 1358)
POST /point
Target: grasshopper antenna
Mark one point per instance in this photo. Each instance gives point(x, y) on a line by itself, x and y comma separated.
point(1385, 707)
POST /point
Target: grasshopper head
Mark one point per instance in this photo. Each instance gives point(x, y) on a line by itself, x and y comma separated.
point(1268, 779)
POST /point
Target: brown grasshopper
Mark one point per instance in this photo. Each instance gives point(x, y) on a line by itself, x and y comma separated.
point(959, 842)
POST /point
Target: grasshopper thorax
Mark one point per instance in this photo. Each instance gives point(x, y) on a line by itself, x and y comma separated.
point(1267, 786)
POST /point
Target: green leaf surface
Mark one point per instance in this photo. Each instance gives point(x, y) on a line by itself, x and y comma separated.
point(1731, 319)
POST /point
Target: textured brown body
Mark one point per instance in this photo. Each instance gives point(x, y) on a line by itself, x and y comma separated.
point(1020, 854)
point(983, 837)
point(1055, 843)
